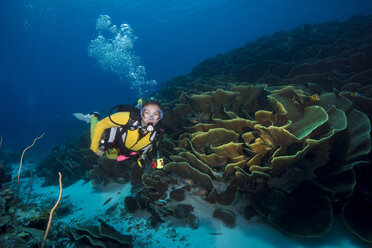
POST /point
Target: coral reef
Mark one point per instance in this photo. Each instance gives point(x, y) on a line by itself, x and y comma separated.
point(6, 158)
point(276, 156)
point(330, 54)
point(108, 171)
point(5, 202)
point(72, 160)
point(19, 227)
point(103, 235)
point(290, 144)
point(4, 177)
point(226, 216)
point(281, 125)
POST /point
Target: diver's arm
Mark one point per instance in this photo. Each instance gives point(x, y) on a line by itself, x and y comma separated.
point(120, 118)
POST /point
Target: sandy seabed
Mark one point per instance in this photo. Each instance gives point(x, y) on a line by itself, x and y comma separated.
point(107, 203)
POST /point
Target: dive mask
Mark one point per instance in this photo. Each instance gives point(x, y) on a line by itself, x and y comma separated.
point(151, 113)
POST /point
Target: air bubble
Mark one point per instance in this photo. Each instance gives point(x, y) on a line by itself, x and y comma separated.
point(103, 22)
point(114, 29)
point(113, 49)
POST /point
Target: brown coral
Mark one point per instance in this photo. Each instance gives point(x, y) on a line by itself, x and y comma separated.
point(289, 143)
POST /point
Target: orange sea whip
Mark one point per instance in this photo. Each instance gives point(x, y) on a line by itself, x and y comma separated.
point(20, 163)
point(54, 208)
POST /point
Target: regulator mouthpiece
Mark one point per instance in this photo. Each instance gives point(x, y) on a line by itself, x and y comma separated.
point(150, 127)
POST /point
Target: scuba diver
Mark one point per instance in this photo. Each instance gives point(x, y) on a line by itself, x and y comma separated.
point(129, 133)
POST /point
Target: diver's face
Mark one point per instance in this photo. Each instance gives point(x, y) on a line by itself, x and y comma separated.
point(151, 113)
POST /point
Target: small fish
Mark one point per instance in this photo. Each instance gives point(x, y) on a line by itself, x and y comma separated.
point(314, 97)
point(215, 234)
point(354, 94)
point(160, 202)
point(200, 192)
point(335, 91)
point(189, 182)
point(107, 201)
point(194, 120)
point(112, 208)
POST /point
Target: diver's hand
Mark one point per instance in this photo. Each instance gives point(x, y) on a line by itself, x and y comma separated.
point(100, 152)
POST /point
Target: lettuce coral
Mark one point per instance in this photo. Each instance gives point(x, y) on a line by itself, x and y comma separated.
point(275, 146)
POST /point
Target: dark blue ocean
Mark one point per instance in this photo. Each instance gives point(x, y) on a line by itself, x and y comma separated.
point(46, 73)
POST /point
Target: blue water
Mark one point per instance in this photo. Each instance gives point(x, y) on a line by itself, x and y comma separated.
point(46, 73)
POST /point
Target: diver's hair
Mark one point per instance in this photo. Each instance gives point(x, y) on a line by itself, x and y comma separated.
point(151, 101)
